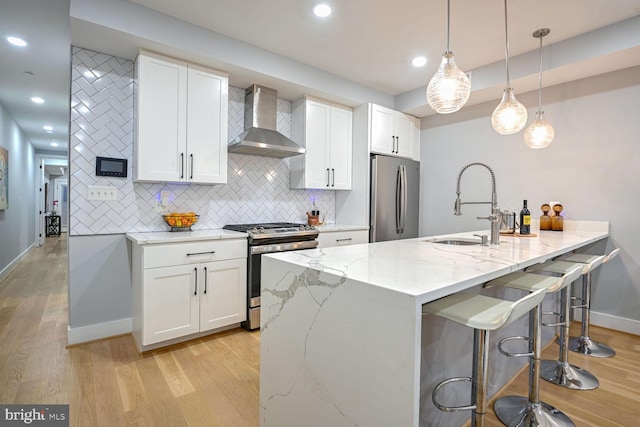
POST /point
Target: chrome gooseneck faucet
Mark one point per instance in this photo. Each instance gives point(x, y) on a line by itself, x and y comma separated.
point(495, 216)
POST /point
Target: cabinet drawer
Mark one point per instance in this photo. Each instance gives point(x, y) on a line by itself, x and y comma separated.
point(342, 238)
point(191, 253)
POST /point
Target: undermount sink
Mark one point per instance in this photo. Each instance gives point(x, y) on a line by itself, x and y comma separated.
point(455, 241)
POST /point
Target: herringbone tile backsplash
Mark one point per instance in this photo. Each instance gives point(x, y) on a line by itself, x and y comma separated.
point(257, 188)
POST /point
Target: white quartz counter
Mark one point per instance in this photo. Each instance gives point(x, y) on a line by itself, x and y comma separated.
point(183, 236)
point(343, 336)
point(429, 270)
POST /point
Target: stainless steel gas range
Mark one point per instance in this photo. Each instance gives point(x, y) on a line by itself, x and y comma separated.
point(264, 239)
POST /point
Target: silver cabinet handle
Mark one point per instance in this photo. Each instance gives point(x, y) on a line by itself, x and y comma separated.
point(201, 253)
point(195, 292)
point(328, 174)
point(397, 144)
point(181, 165)
point(344, 240)
point(191, 175)
point(333, 177)
point(205, 280)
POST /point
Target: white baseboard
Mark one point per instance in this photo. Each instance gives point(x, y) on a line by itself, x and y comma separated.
point(13, 264)
point(101, 330)
point(616, 323)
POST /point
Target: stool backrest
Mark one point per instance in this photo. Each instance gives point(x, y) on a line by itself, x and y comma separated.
point(524, 305)
point(614, 253)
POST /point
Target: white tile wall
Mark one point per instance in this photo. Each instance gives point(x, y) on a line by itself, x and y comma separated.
point(102, 125)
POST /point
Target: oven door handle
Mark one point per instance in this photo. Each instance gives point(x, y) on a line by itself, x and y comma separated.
point(281, 247)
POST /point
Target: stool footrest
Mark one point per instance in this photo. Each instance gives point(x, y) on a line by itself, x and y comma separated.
point(552, 313)
point(509, 354)
point(451, 408)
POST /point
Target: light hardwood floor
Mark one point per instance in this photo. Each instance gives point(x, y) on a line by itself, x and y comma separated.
point(212, 381)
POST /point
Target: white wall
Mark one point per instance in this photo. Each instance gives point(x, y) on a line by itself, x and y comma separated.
point(591, 167)
point(17, 227)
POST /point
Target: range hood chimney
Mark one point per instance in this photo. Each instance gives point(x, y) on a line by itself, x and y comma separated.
point(260, 136)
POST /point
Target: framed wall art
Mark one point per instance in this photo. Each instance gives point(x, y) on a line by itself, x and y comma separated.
point(4, 179)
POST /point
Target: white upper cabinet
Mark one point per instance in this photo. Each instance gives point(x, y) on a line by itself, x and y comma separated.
point(181, 119)
point(325, 130)
point(393, 133)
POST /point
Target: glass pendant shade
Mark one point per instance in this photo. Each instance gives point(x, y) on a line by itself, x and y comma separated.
point(449, 88)
point(539, 133)
point(510, 115)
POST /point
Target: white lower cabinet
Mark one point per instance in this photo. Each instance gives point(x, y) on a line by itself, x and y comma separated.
point(328, 239)
point(205, 290)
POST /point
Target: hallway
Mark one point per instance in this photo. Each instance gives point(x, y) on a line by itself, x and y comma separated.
point(211, 381)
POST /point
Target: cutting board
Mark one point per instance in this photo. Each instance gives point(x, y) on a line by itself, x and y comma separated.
point(519, 235)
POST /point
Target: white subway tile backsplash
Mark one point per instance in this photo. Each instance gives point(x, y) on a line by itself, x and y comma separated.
point(257, 188)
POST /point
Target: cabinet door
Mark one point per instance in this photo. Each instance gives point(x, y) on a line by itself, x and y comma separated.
point(223, 297)
point(160, 147)
point(207, 106)
point(341, 148)
point(317, 138)
point(415, 155)
point(170, 303)
point(381, 130)
point(403, 130)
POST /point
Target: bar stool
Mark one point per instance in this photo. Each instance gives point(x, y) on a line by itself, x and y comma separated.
point(583, 344)
point(530, 410)
point(483, 314)
point(561, 372)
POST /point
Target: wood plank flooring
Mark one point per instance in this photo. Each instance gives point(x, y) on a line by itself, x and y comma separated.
point(212, 381)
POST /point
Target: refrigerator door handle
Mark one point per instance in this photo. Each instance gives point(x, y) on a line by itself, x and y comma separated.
point(398, 198)
point(404, 198)
point(374, 201)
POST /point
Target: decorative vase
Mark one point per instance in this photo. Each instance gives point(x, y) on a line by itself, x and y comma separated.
point(545, 219)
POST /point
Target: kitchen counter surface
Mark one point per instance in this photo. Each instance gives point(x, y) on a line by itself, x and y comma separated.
point(428, 271)
point(159, 237)
point(342, 331)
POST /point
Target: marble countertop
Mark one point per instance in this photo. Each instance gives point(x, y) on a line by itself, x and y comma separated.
point(183, 236)
point(427, 270)
point(329, 228)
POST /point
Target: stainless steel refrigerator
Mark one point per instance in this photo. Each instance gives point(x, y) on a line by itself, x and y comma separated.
point(395, 193)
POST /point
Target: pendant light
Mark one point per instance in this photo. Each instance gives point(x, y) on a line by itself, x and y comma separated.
point(449, 88)
point(510, 115)
point(539, 133)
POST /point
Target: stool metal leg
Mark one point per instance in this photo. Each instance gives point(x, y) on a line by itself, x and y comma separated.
point(520, 411)
point(583, 344)
point(561, 372)
point(480, 376)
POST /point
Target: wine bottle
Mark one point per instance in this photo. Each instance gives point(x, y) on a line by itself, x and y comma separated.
point(525, 220)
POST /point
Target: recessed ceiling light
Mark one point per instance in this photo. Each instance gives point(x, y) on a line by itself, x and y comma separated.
point(54, 144)
point(16, 41)
point(48, 128)
point(419, 61)
point(322, 10)
point(37, 100)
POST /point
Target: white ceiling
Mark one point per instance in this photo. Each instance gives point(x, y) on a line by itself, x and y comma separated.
point(44, 24)
point(370, 42)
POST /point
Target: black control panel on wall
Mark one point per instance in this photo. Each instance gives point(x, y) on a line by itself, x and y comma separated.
point(107, 166)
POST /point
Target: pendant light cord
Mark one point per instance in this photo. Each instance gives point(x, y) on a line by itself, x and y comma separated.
point(540, 79)
point(506, 44)
point(448, 23)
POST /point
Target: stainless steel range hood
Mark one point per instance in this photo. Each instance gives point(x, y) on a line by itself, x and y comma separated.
point(260, 136)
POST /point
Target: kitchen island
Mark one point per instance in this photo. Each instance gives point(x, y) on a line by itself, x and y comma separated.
point(343, 337)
